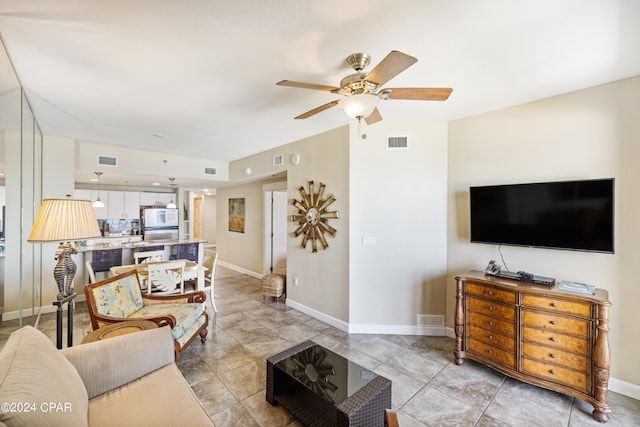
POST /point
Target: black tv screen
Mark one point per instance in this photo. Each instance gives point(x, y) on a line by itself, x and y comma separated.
point(573, 215)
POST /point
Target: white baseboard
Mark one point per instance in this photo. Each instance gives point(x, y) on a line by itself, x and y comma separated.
point(13, 315)
point(625, 388)
point(241, 270)
point(336, 323)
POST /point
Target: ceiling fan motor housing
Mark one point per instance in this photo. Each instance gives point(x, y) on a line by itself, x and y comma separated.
point(355, 84)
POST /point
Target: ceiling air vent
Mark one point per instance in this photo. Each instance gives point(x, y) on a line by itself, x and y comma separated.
point(278, 160)
point(210, 171)
point(107, 160)
point(397, 142)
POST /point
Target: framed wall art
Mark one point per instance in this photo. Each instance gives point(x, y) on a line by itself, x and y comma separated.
point(236, 215)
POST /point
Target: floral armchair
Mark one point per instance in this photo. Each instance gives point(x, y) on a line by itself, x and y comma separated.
point(120, 298)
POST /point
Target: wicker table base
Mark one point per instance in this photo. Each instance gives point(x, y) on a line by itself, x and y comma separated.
point(364, 407)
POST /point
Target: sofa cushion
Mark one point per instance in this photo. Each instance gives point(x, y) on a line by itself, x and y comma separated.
point(34, 375)
point(161, 398)
point(119, 298)
point(186, 315)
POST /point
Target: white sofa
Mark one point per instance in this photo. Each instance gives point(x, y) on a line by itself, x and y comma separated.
point(129, 380)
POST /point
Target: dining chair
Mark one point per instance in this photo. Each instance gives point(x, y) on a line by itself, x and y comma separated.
point(210, 261)
point(148, 256)
point(92, 274)
point(390, 418)
point(166, 276)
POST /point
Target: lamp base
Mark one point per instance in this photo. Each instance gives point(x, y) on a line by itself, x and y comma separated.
point(65, 270)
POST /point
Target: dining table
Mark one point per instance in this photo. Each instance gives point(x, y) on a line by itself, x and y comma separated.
point(192, 271)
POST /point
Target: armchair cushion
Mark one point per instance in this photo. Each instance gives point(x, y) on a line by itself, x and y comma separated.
point(34, 372)
point(186, 315)
point(121, 298)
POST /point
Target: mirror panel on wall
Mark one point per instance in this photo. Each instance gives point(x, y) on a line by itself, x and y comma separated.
point(21, 180)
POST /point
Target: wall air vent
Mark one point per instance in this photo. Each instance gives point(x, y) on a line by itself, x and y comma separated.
point(210, 171)
point(397, 142)
point(430, 320)
point(278, 160)
point(107, 160)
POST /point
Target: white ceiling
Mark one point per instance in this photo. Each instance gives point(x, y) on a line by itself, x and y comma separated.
point(202, 73)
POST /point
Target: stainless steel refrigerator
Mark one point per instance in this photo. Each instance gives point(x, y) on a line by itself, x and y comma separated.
point(159, 223)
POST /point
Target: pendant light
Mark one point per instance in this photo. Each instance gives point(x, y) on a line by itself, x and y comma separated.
point(98, 203)
point(171, 204)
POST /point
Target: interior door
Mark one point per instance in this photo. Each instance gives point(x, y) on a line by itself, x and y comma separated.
point(279, 232)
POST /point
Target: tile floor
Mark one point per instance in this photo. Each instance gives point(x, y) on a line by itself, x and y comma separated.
point(228, 372)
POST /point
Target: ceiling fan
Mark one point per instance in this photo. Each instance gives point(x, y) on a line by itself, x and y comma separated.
point(362, 91)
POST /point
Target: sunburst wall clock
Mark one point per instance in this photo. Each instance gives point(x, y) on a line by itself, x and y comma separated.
point(313, 215)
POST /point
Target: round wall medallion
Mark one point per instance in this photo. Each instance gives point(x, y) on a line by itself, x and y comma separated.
point(313, 216)
point(295, 159)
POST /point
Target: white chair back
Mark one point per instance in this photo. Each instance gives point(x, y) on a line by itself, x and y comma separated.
point(166, 276)
point(92, 275)
point(148, 256)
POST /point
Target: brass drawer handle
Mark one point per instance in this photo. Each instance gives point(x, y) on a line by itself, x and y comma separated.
point(553, 339)
point(490, 323)
point(553, 356)
point(553, 304)
point(490, 308)
point(552, 372)
point(553, 322)
point(490, 293)
point(490, 337)
point(490, 351)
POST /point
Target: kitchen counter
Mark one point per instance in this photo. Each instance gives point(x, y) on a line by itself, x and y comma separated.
point(131, 242)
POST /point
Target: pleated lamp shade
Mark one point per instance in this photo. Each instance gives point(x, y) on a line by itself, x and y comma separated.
point(64, 219)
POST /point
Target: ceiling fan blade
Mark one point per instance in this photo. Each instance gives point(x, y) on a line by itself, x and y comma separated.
point(392, 65)
point(306, 85)
point(317, 110)
point(374, 117)
point(420, 93)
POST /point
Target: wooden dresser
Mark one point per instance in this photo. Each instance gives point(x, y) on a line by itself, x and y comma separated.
point(536, 334)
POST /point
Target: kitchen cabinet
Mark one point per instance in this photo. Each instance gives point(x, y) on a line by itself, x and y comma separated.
point(155, 199)
point(124, 205)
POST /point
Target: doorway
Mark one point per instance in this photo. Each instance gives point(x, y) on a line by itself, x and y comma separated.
point(198, 218)
point(275, 259)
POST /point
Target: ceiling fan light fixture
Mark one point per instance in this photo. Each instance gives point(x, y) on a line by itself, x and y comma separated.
point(359, 106)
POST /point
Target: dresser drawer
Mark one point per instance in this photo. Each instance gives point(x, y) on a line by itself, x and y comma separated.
point(556, 322)
point(554, 355)
point(555, 340)
point(491, 323)
point(492, 308)
point(493, 353)
point(507, 343)
point(508, 297)
point(556, 304)
point(576, 380)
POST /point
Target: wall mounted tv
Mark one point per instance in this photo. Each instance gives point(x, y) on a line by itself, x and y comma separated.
point(573, 215)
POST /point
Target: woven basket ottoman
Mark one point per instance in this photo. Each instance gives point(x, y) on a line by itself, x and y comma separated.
point(273, 285)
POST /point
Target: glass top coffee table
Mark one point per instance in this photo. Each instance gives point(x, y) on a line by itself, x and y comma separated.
point(322, 388)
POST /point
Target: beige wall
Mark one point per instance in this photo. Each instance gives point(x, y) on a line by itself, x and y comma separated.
point(398, 197)
point(242, 250)
point(592, 133)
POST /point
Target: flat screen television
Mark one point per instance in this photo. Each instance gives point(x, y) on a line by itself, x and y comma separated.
point(572, 215)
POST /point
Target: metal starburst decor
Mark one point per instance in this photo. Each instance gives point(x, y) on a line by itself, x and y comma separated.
point(313, 216)
point(312, 371)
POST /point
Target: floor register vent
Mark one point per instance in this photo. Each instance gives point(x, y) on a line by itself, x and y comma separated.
point(107, 160)
point(397, 142)
point(430, 320)
point(210, 171)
